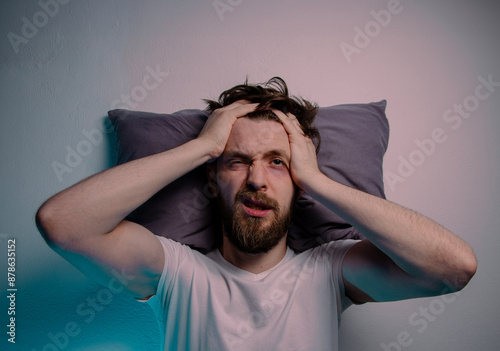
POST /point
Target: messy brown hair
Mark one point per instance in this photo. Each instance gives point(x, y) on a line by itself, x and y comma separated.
point(272, 94)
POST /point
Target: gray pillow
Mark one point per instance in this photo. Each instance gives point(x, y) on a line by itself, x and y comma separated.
point(354, 138)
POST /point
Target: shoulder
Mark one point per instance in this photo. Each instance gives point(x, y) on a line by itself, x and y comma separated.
point(182, 259)
point(333, 250)
point(324, 260)
point(328, 258)
point(175, 250)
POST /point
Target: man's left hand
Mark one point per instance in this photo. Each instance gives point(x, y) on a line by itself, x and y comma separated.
point(304, 163)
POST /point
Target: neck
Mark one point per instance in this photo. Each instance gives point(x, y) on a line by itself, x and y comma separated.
point(253, 263)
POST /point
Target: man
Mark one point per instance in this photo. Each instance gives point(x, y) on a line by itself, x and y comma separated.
point(252, 292)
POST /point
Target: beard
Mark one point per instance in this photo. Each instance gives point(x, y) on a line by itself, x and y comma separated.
point(254, 235)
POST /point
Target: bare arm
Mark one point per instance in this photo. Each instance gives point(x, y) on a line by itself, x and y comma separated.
point(85, 223)
point(407, 255)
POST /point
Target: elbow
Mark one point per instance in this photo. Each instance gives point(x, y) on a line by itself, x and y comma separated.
point(470, 269)
point(44, 222)
point(48, 224)
point(463, 273)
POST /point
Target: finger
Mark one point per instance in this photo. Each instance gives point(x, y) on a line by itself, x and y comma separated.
point(235, 104)
point(237, 109)
point(242, 102)
point(290, 122)
point(285, 120)
point(296, 122)
point(243, 109)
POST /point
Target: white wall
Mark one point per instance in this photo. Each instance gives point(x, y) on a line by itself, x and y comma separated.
point(59, 80)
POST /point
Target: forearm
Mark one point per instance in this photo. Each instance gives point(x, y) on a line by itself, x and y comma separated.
point(417, 244)
point(96, 205)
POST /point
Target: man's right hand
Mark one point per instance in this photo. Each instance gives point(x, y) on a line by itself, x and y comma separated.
point(85, 223)
point(220, 123)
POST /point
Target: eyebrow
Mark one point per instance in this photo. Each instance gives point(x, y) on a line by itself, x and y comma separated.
point(274, 152)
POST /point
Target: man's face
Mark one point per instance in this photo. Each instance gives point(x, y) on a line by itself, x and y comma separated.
point(256, 189)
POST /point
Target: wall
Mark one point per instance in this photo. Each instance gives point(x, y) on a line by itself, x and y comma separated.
point(64, 64)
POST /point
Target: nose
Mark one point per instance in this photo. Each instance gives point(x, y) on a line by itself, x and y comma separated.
point(257, 176)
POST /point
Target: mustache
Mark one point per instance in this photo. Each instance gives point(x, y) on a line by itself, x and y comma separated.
point(256, 196)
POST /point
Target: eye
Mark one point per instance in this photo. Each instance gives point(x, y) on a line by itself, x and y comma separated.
point(278, 162)
point(236, 164)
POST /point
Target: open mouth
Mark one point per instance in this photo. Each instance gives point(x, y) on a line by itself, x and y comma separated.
point(255, 208)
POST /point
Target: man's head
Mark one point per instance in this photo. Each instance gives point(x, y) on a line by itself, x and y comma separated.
point(272, 94)
point(255, 190)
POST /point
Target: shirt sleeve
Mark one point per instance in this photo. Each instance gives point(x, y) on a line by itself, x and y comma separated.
point(336, 251)
point(174, 254)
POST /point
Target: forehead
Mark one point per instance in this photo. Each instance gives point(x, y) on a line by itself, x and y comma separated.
point(254, 136)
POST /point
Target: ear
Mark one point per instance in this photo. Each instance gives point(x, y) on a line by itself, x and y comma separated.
point(212, 178)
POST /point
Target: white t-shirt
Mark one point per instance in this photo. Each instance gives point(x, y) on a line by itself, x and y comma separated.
point(204, 302)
